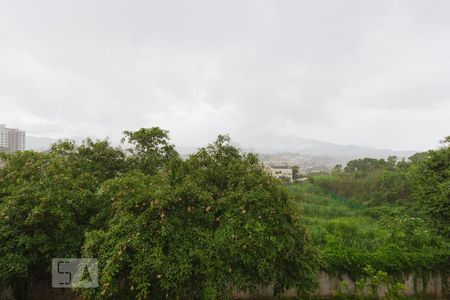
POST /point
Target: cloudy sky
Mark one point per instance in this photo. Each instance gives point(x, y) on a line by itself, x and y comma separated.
point(374, 73)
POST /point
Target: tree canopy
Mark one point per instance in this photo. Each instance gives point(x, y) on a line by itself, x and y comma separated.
point(200, 228)
point(432, 186)
point(47, 202)
point(422, 182)
point(161, 227)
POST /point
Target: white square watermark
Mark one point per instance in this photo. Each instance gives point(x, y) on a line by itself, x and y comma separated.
point(74, 273)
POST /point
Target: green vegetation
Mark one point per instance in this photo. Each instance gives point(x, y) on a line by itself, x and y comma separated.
point(352, 236)
point(161, 227)
point(431, 177)
point(389, 215)
point(422, 184)
point(167, 228)
point(47, 203)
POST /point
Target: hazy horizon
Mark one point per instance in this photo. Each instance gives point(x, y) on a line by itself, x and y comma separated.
point(362, 73)
point(281, 145)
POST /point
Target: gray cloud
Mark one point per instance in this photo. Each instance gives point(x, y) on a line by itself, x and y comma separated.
point(363, 72)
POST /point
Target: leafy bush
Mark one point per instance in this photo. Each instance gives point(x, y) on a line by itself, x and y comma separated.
point(432, 186)
point(351, 237)
point(199, 229)
point(47, 202)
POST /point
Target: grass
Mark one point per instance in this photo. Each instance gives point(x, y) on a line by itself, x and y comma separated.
point(349, 235)
point(325, 213)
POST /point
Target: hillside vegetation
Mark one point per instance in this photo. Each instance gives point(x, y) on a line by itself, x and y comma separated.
point(377, 215)
point(163, 227)
point(351, 236)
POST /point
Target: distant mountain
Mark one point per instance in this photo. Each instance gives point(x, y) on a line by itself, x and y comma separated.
point(313, 155)
point(285, 148)
point(296, 145)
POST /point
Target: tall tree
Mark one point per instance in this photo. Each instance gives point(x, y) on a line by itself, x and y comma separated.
point(432, 186)
point(199, 229)
point(150, 149)
point(295, 172)
point(47, 202)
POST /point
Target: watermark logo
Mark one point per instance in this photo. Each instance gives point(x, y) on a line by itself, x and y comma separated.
point(74, 273)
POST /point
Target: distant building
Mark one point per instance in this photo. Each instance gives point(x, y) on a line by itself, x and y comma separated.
point(280, 171)
point(11, 139)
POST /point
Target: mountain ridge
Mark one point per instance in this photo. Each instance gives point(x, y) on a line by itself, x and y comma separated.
point(283, 145)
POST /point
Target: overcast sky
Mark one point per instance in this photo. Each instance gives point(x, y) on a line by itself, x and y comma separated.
point(373, 73)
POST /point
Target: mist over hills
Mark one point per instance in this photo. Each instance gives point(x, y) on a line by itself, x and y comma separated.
point(292, 144)
point(282, 147)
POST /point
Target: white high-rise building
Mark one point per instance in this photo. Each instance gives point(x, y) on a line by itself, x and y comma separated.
point(11, 139)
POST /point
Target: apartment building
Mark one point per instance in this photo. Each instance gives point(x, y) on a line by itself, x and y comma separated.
point(11, 139)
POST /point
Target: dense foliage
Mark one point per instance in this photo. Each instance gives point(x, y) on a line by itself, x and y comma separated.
point(161, 227)
point(432, 186)
point(371, 180)
point(47, 202)
point(388, 214)
point(351, 235)
point(202, 227)
point(422, 183)
point(198, 228)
